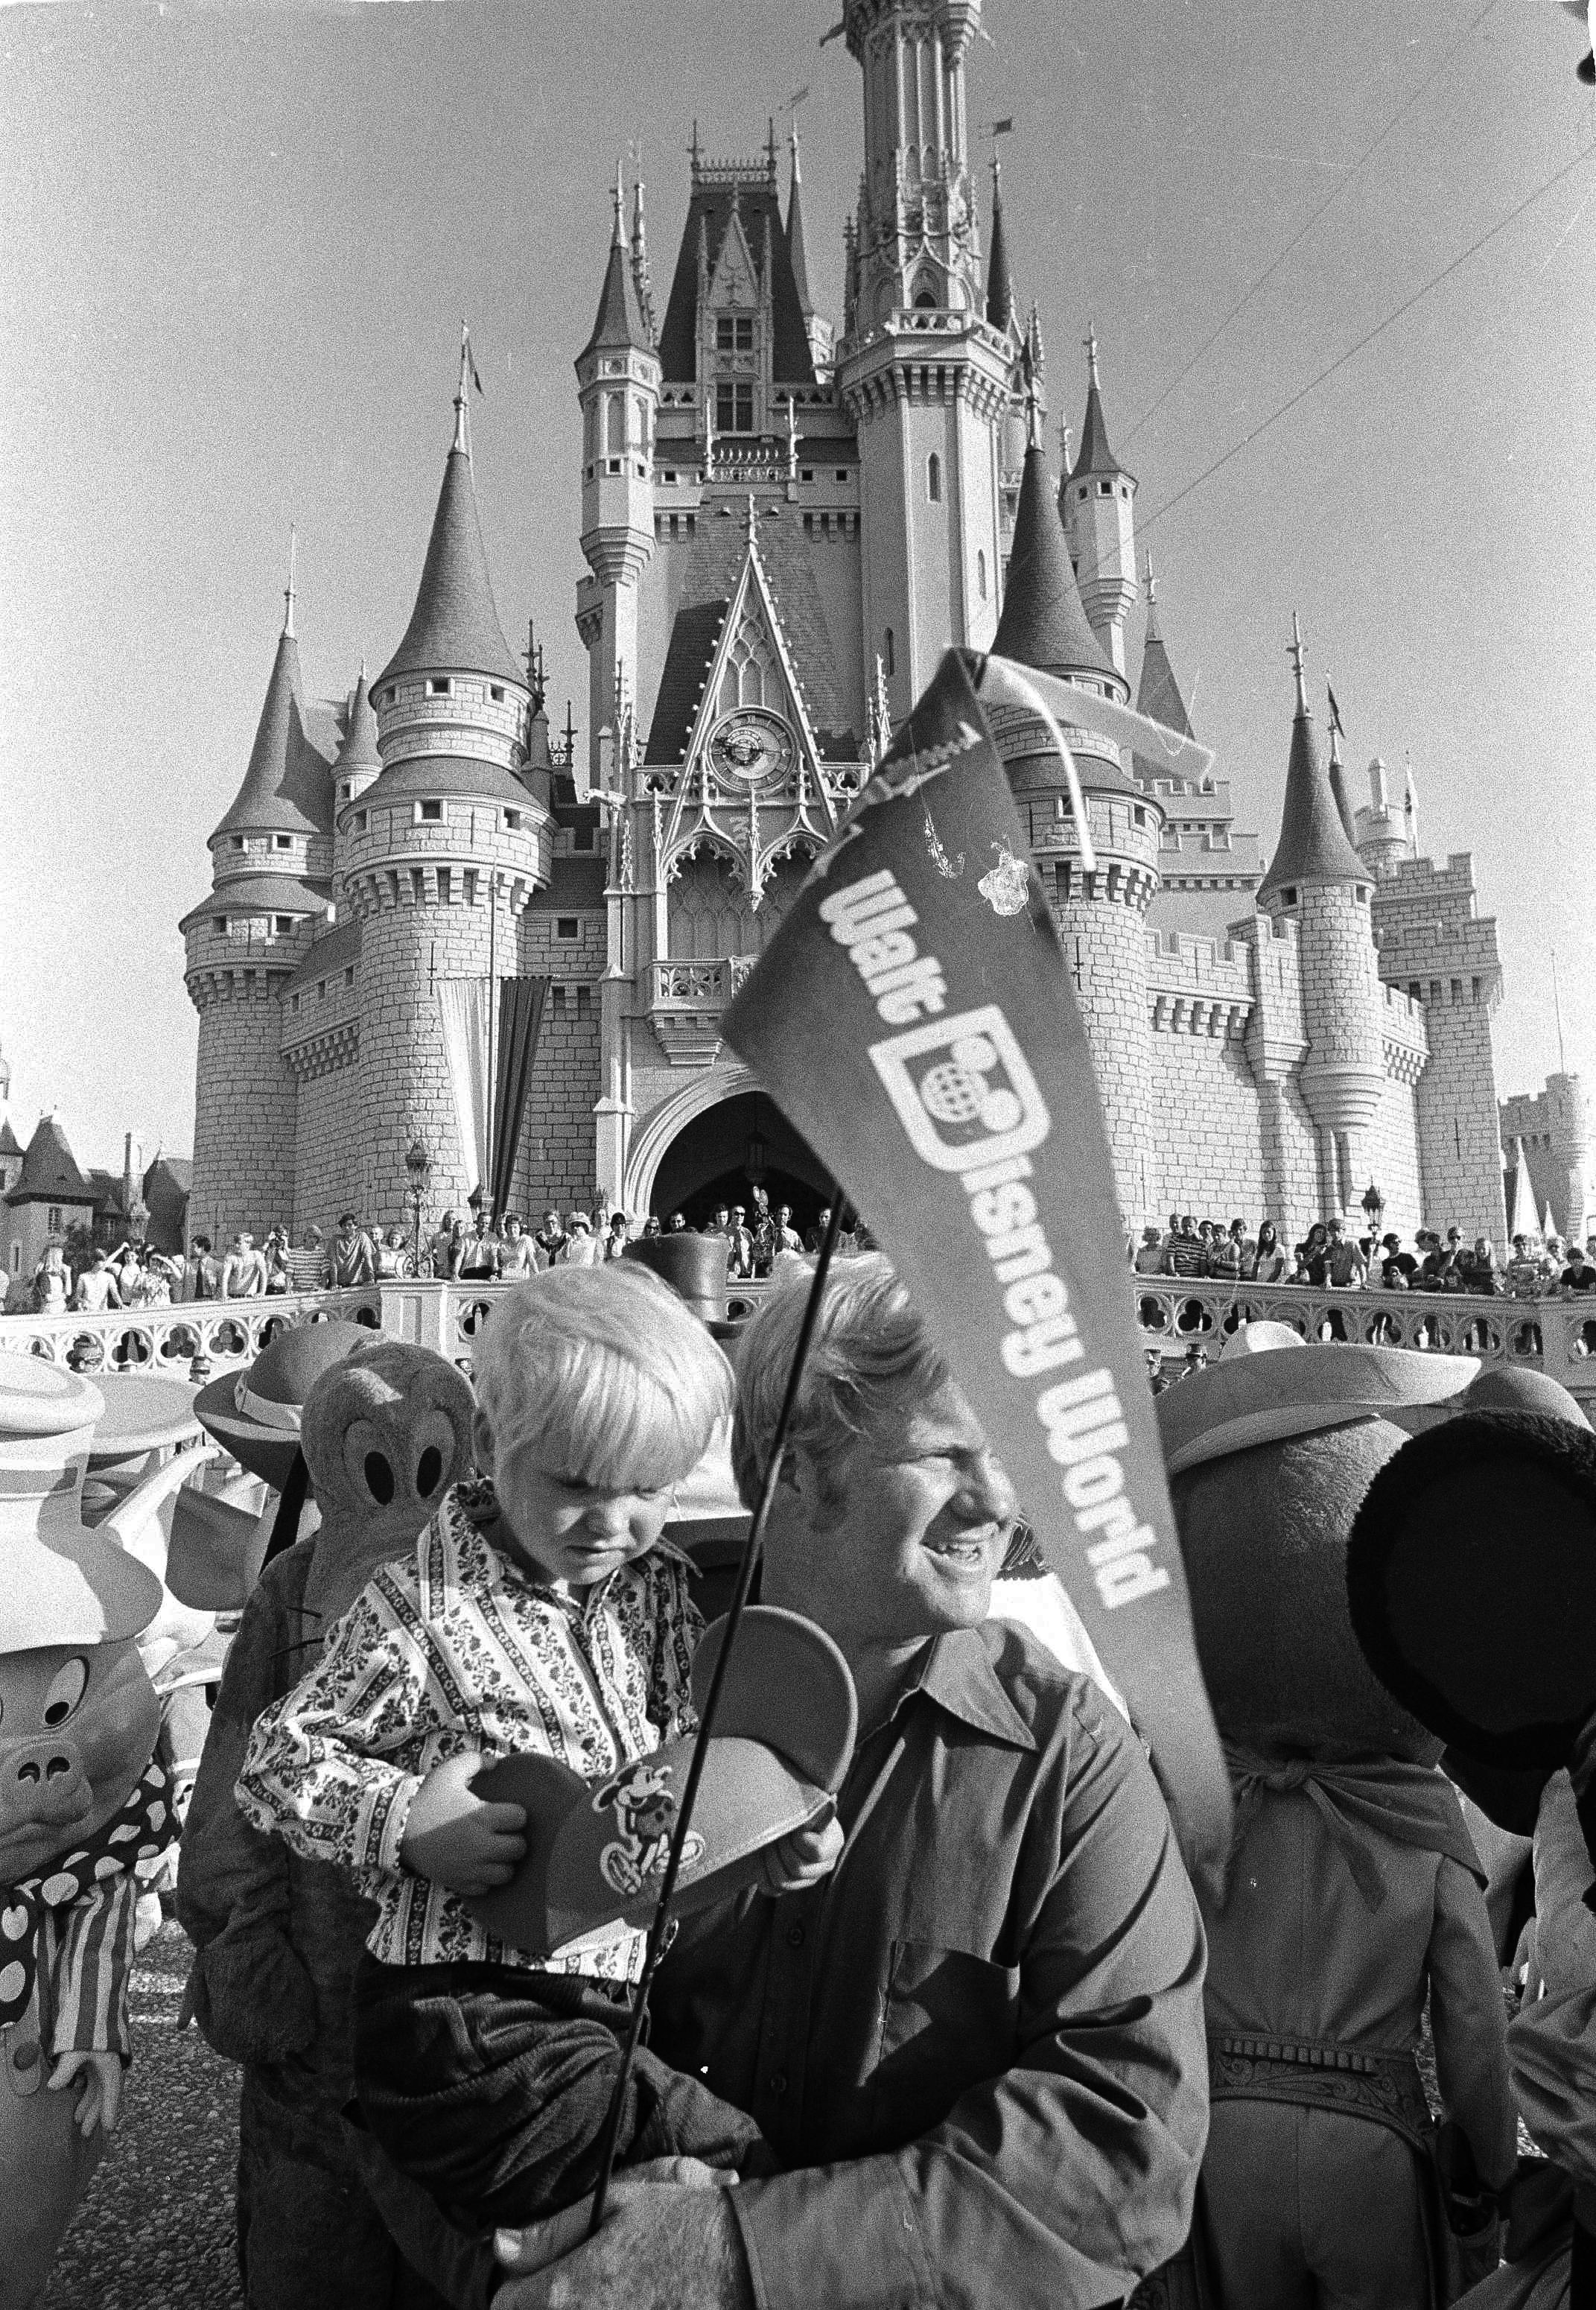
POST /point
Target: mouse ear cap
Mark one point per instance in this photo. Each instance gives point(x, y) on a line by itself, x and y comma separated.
point(1471, 1582)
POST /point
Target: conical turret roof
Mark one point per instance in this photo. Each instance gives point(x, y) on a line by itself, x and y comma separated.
point(1312, 847)
point(1159, 692)
point(286, 789)
point(358, 751)
point(1096, 455)
point(619, 322)
point(1043, 623)
point(454, 624)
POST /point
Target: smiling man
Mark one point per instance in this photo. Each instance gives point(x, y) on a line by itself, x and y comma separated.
point(977, 2048)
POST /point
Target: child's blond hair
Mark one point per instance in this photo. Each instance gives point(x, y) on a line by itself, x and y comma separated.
point(613, 1376)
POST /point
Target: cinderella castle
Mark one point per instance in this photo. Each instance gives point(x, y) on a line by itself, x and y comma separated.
point(785, 523)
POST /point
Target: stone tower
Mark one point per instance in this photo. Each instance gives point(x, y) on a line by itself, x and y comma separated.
point(1101, 916)
point(272, 863)
point(924, 375)
point(448, 840)
point(1096, 500)
point(1317, 880)
point(1384, 837)
point(618, 386)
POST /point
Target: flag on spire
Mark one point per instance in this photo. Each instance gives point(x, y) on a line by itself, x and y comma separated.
point(468, 361)
point(1336, 724)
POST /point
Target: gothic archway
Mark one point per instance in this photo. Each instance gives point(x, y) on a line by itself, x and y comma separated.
point(695, 1151)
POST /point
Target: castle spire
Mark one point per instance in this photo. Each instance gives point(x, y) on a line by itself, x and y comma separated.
point(1043, 623)
point(285, 788)
point(1337, 778)
point(462, 397)
point(1000, 283)
point(1096, 455)
point(1312, 847)
point(620, 323)
point(797, 255)
point(454, 623)
point(1158, 693)
point(288, 595)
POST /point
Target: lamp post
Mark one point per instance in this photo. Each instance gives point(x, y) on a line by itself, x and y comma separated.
point(1373, 1205)
point(418, 1165)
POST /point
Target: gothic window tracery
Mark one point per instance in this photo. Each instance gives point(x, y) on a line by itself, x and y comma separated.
point(751, 677)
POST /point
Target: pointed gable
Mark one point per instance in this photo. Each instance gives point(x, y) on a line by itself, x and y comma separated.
point(1158, 691)
point(287, 788)
point(357, 748)
point(455, 625)
point(713, 577)
point(709, 218)
point(49, 1172)
point(1042, 623)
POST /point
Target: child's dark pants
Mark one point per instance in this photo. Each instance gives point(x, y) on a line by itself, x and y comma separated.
point(488, 2084)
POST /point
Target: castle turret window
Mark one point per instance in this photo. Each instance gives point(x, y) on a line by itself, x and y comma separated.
point(282, 841)
point(359, 821)
point(428, 813)
point(933, 478)
point(512, 819)
point(53, 1221)
point(734, 333)
point(283, 926)
point(236, 842)
point(440, 688)
point(496, 693)
point(566, 926)
point(981, 575)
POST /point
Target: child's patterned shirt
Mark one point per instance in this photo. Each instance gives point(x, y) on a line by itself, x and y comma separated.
point(457, 1649)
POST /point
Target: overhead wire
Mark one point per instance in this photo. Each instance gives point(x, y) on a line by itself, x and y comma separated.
point(1379, 330)
point(1295, 243)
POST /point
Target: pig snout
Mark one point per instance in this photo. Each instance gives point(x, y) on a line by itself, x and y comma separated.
point(42, 1781)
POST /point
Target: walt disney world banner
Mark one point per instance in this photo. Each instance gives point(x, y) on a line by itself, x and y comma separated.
point(913, 1017)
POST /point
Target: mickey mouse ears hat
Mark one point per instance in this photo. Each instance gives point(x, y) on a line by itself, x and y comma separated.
point(255, 1414)
point(596, 1850)
point(1471, 1579)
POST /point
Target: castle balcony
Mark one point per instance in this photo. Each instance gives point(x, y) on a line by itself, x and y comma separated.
point(684, 998)
point(1553, 1335)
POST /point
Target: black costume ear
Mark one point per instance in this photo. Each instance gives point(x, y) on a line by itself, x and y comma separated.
point(1471, 1579)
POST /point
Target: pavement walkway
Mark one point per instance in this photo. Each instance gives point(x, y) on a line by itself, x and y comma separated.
point(155, 2229)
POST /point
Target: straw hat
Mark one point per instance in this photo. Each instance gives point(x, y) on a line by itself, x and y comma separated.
point(61, 1583)
point(256, 1413)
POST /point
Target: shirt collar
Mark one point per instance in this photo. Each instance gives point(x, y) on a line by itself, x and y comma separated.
point(958, 1675)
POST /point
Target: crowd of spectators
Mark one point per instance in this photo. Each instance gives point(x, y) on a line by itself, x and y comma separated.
point(1332, 1257)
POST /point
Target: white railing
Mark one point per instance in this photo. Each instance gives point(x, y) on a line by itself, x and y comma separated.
point(1555, 1335)
point(222, 1333)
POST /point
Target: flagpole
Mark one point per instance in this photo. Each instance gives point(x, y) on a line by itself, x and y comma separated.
point(658, 1932)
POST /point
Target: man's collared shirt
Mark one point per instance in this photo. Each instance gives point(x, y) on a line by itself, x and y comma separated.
point(979, 2044)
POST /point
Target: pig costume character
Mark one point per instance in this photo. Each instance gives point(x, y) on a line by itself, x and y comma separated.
point(386, 1429)
point(1354, 1891)
point(85, 1793)
point(1472, 1581)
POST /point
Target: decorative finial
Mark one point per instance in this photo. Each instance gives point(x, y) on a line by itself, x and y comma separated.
point(462, 433)
point(1152, 584)
point(792, 142)
point(1064, 442)
point(753, 517)
point(770, 147)
point(1296, 656)
point(693, 151)
point(288, 591)
point(531, 656)
point(1090, 342)
point(618, 235)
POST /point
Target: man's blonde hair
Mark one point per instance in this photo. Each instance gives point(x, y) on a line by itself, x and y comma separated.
point(870, 1353)
point(610, 1374)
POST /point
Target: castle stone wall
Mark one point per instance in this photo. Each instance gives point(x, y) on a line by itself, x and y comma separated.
point(1555, 1128)
point(1206, 1156)
point(245, 1113)
point(327, 1171)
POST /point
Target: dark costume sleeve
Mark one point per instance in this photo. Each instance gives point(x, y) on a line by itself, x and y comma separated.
point(248, 1991)
point(1469, 2023)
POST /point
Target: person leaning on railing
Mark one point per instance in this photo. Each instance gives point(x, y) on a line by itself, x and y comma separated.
point(1268, 1262)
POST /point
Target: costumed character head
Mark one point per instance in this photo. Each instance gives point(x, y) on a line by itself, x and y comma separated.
point(386, 1431)
point(84, 1793)
point(1471, 1579)
point(218, 1542)
point(1269, 1455)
